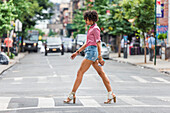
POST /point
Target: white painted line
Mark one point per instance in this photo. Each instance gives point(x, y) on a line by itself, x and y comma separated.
point(4, 101)
point(18, 79)
point(49, 63)
point(42, 80)
point(51, 66)
point(15, 71)
point(46, 102)
point(131, 101)
point(89, 102)
point(35, 77)
point(68, 107)
point(166, 99)
point(140, 79)
point(115, 78)
point(161, 79)
point(54, 75)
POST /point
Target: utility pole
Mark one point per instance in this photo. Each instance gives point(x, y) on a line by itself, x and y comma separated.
point(155, 31)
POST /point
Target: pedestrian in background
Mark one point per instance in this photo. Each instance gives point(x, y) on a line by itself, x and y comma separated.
point(8, 42)
point(92, 57)
point(151, 44)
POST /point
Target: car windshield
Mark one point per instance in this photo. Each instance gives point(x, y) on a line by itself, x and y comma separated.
point(54, 40)
point(32, 38)
point(81, 38)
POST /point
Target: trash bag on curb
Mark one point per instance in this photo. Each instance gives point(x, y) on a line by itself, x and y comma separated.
point(4, 59)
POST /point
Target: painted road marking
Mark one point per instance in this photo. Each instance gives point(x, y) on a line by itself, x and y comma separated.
point(42, 80)
point(161, 79)
point(18, 79)
point(89, 102)
point(49, 63)
point(4, 101)
point(139, 79)
point(115, 78)
point(46, 102)
point(131, 101)
point(166, 99)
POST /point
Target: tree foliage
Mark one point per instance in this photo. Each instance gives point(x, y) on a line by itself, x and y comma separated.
point(142, 11)
point(7, 15)
point(27, 11)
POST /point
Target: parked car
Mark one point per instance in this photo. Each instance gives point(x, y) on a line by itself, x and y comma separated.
point(80, 40)
point(4, 59)
point(54, 45)
point(104, 50)
point(67, 44)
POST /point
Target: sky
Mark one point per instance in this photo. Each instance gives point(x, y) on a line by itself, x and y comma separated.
point(59, 1)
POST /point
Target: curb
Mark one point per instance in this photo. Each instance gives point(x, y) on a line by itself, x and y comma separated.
point(164, 72)
point(13, 63)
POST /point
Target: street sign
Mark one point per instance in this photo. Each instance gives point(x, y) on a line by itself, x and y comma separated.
point(159, 9)
point(18, 25)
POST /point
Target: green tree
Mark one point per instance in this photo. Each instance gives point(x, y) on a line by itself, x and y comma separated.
point(79, 22)
point(7, 15)
point(7, 10)
point(30, 11)
point(115, 23)
point(143, 13)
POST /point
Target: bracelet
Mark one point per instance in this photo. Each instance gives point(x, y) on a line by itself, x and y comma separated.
point(100, 57)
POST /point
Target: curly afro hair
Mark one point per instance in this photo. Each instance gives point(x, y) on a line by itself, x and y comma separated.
point(91, 15)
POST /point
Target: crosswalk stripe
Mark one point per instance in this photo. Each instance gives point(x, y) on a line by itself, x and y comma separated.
point(18, 79)
point(139, 79)
point(42, 80)
point(89, 102)
point(46, 102)
point(115, 78)
point(4, 101)
point(131, 101)
point(161, 79)
point(166, 99)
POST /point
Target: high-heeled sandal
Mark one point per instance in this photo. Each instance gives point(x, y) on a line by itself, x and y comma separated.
point(71, 96)
point(111, 96)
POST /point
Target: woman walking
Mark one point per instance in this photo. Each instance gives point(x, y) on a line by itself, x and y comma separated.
point(92, 57)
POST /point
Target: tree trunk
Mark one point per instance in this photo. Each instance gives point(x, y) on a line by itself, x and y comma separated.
point(144, 46)
point(8, 42)
point(119, 46)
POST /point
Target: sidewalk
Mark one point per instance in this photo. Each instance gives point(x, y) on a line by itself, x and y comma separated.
point(12, 62)
point(138, 60)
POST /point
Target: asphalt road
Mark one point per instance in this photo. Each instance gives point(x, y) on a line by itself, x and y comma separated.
point(39, 84)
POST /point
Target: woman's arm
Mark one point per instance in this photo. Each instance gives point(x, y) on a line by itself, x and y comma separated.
point(81, 48)
point(99, 53)
point(78, 51)
point(99, 49)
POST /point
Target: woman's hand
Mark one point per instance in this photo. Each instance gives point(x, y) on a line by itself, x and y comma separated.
point(74, 55)
point(102, 62)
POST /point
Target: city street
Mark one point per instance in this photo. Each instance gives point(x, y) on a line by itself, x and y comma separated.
point(39, 84)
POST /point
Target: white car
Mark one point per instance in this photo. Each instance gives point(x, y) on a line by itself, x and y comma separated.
point(104, 50)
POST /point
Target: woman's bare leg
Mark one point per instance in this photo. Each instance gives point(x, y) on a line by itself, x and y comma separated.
point(83, 68)
point(102, 74)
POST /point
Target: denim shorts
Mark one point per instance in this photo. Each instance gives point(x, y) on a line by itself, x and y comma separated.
point(91, 53)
